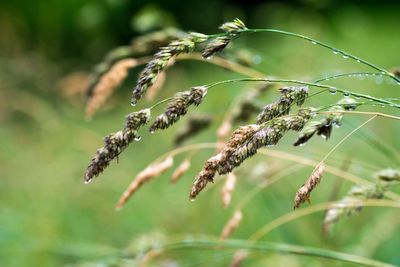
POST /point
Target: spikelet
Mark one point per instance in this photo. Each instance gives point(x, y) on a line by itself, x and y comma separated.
point(160, 60)
point(233, 29)
point(178, 107)
point(195, 125)
point(205, 176)
point(323, 127)
point(231, 225)
point(115, 143)
point(153, 91)
point(144, 176)
point(244, 143)
point(388, 175)
point(268, 136)
point(227, 189)
point(107, 84)
point(180, 170)
point(238, 138)
point(289, 95)
point(352, 203)
point(305, 190)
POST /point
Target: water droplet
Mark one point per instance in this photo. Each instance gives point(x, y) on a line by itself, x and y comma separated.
point(302, 144)
point(152, 131)
point(358, 60)
point(137, 138)
point(133, 102)
point(346, 94)
point(192, 199)
point(335, 52)
point(398, 83)
point(209, 57)
point(314, 42)
point(383, 72)
point(88, 181)
point(332, 91)
point(345, 56)
point(357, 97)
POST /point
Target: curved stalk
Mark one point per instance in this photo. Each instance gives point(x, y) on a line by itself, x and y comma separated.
point(335, 50)
point(332, 89)
point(316, 208)
point(275, 248)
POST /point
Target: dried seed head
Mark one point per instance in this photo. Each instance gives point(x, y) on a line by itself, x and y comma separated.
point(180, 171)
point(227, 189)
point(388, 175)
point(264, 136)
point(178, 107)
point(238, 138)
point(323, 127)
point(146, 175)
point(194, 126)
point(215, 46)
point(115, 143)
point(289, 95)
point(231, 225)
point(352, 203)
point(107, 84)
point(205, 176)
point(305, 190)
point(150, 73)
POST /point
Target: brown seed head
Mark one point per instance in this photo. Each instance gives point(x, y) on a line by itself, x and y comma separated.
point(305, 190)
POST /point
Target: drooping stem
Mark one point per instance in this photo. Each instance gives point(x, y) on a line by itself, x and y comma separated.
point(313, 84)
point(335, 50)
point(316, 208)
point(233, 244)
point(350, 74)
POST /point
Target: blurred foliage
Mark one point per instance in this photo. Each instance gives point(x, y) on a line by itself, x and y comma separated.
point(48, 217)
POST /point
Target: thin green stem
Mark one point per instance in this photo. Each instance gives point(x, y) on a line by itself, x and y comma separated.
point(335, 50)
point(233, 244)
point(267, 228)
point(332, 89)
point(350, 74)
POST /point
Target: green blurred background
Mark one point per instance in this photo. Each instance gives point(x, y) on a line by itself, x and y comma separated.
point(48, 217)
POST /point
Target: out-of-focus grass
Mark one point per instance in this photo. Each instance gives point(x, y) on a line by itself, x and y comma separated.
point(49, 217)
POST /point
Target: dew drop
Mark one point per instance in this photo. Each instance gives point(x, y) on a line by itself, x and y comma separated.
point(383, 72)
point(359, 61)
point(345, 56)
point(152, 131)
point(302, 144)
point(88, 181)
point(137, 138)
point(314, 42)
point(133, 102)
point(346, 94)
point(332, 91)
point(192, 199)
point(335, 52)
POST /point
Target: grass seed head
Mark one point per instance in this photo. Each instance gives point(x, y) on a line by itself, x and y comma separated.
point(303, 194)
point(115, 143)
